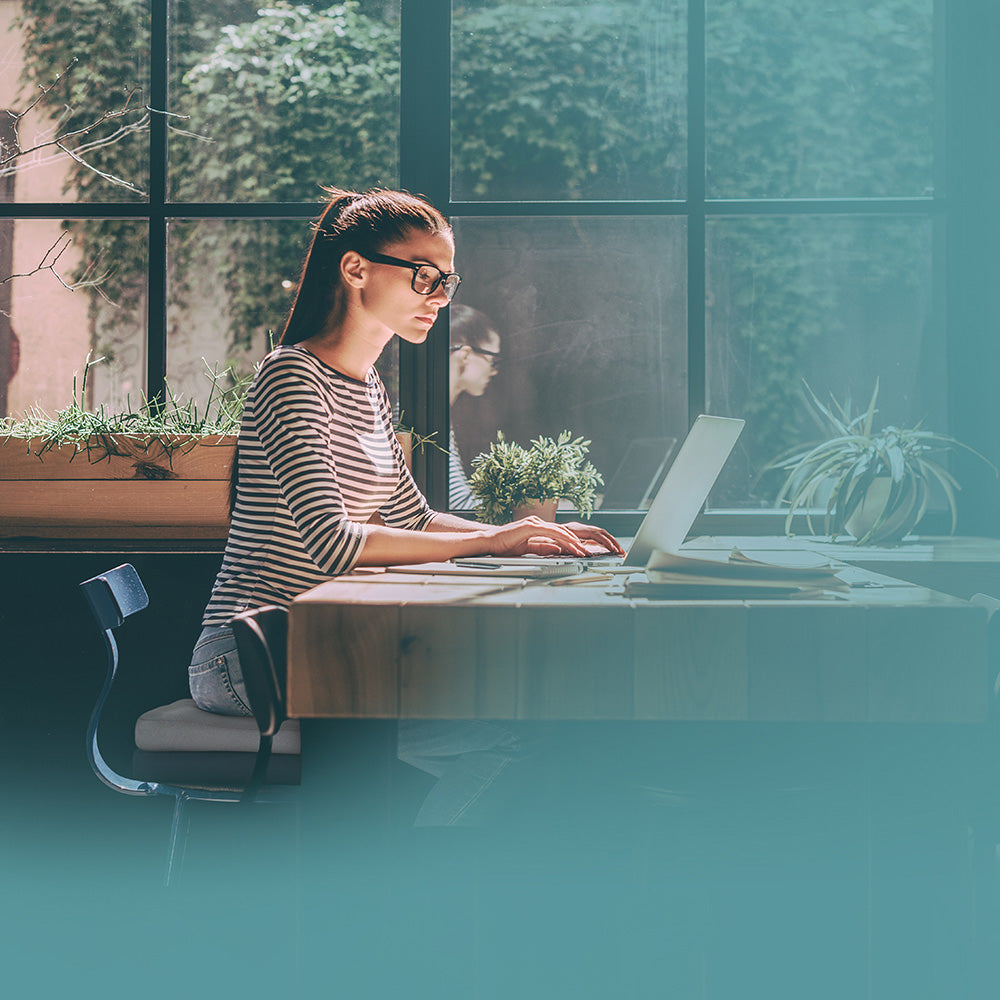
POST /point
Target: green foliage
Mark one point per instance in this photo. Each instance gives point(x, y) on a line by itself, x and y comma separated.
point(165, 422)
point(549, 101)
point(852, 458)
point(567, 102)
point(292, 100)
point(509, 475)
point(810, 100)
point(819, 100)
point(276, 104)
point(95, 56)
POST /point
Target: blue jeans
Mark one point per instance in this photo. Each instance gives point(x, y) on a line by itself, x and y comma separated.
point(466, 757)
point(214, 676)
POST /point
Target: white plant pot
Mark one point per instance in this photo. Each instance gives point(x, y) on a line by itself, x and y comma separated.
point(901, 520)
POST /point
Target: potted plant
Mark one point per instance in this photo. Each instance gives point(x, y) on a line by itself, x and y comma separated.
point(875, 482)
point(159, 469)
point(511, 481)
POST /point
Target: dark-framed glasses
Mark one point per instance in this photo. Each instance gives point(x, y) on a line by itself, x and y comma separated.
point(492, 356)
point(426, 277)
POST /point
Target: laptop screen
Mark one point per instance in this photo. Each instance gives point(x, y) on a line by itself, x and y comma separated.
point(685, 487)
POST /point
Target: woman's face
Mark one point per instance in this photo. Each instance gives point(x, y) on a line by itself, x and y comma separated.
point(388, 294)
point(478, 365)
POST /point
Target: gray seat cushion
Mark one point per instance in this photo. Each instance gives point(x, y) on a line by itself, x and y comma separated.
point(183, 726)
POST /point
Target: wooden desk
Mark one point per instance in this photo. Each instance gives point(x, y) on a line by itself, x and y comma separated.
point(394, 645)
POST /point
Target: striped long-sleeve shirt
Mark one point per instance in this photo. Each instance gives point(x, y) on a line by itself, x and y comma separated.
point(317, 457)
point(460, 496)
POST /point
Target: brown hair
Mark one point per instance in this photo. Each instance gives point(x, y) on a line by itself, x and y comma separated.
point(365, 223)
point(468, 326)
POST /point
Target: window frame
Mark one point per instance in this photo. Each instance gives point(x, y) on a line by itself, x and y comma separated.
point(965, 217)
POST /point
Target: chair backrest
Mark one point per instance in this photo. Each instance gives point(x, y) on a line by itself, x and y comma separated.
point(112, 597)
point(115, 595)
point(261, 640)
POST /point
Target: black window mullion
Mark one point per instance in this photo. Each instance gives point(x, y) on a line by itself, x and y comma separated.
point(156, 294)
point(424, 168)
point(696, 245)
point(972, 36)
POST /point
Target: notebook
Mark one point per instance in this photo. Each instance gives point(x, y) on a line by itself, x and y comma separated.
point(680, 497)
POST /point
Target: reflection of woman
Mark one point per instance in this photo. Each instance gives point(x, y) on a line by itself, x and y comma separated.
point(475, 356)
point(316, 455)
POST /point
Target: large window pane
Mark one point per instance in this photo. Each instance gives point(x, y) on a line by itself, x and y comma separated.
point(838, 302)
point(231, 284)
point(67, 299)
point(281, 99)
point(591, 317)
point(820, 99)
point(75, 88)
point(568, 100)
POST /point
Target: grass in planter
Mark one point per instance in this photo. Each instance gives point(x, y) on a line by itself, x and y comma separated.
point(167, 426)
point(170, 424)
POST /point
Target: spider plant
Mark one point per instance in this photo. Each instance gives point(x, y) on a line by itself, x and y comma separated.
point(876, 482)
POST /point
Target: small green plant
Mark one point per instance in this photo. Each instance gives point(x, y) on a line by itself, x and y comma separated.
point(171, 423)
point(509, 475)
point(419, 441)
point(876, 482)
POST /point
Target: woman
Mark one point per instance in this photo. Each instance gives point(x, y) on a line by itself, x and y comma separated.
point(475, 354)
point(316, 455)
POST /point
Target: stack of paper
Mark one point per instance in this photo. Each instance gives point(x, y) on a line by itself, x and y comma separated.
point(798, 574)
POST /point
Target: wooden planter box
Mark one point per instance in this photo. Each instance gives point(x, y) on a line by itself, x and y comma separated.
point(123, 488)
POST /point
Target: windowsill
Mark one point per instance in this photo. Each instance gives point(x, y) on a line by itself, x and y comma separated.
point(62, 546)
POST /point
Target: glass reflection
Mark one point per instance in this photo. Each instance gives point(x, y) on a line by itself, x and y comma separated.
point(590, 317)
point(835, 301)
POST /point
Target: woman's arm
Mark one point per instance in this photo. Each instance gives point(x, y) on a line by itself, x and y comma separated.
point(448, 537)
point(585, 532)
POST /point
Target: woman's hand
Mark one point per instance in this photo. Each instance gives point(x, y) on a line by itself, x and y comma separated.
point(595, 536)
point(533, 536)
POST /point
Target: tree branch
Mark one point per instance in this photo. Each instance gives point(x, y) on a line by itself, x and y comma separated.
point(48, 263)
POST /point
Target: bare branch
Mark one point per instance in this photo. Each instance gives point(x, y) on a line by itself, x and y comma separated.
point(84, 130)
point(55, 251)
point(190, 135)
point(167, 114)
point(110, 178)
point(48, 263)
point(44, 91)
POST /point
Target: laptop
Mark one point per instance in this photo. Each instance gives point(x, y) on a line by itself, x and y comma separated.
point(680, 497)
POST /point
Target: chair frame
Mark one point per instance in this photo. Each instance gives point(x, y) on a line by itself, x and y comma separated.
point(117, 594)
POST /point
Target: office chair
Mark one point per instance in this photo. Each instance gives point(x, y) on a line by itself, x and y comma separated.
point(184, 752)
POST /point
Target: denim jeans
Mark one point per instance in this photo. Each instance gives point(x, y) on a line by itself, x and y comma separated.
point(214, 676)
point(466, 757)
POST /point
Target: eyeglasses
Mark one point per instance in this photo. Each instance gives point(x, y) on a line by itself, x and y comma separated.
point(426, 277)
point(492, 356)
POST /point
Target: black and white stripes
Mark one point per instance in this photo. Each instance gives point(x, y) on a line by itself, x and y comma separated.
point(317, 457)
